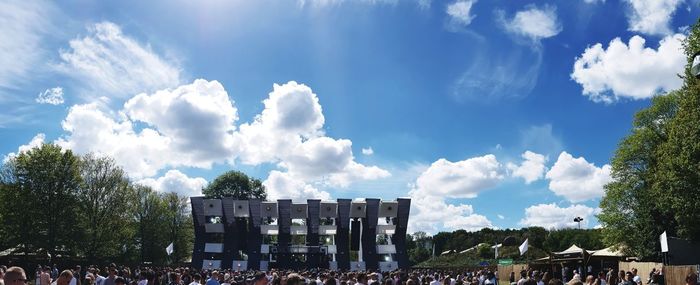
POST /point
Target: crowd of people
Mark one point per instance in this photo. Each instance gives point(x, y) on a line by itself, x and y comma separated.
point(122, 275)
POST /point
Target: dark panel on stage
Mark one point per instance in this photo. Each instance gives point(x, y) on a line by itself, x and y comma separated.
point(399, 237)
point(355, 235)
point(369, 235)
point(284, 238)
point(254, 236)
point(199, 232)
point(312, 238)
point(231, 233)
point(342, 235)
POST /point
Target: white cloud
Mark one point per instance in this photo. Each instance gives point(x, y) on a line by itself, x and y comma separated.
point(652, 17)
point(630, 70)
point(282, 185)
point(113, 63)
point(576, 179)
point(444, 179)
point(188, 126)
point(460, 12)
point(53, 96)
point(501, 217)
point(425, 4)
point(432, 214)
point(36, 141)
point(367, 151)
point(23, 24)
point(194, 126)
point(593, 1)
point(551, 216)
point(533, 22)
point(198, 118)
point(531, 169)
point(461, 179)
point(176, 182)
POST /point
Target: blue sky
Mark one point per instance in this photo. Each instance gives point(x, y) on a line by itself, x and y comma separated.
point(487, 113)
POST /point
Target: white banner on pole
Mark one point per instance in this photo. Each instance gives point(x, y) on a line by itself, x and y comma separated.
point(664, 242)
point(169, 249)
point(523, 247)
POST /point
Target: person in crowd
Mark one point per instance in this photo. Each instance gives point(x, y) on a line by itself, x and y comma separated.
point(590, 280)
point(112, 275)
point(196, 280)
point(523, 277)
point(45, 276)
point(296, 279)
point(89, 279)
point(14, 276)
point(636, 277)
point(555, 282)
point(76, 276)
point(691, 279)
point(64, 278)
point(214, 279)
point(259, 278)
point(119, 281)
point(629, 279)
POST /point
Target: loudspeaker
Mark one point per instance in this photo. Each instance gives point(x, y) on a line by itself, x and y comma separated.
point(355, 235)
point(388, 209)
point(328, 210)
point(268, 210)
point(299, 211)
point(240, 209)
point(358, 210)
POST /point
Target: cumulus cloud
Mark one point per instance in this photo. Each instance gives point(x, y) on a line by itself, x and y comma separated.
point(53, 96)
point(113, 63)
point(651, 17)
point(551, 216)
point(576, 179)
point(198, 118)
point(460, 12)
point(431, 214)
point(533, 22)
point(630, 70)
point(367, 151)
point(531, 169)
point(23, 24)
point(188, 126)
point(281, 185)
point(176, 182)
point(444, 179)
point(461, 179)
point(36, 141)
point(193, 125)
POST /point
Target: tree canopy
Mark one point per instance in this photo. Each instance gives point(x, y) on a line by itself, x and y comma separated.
point(656, 171)
point(235, 184)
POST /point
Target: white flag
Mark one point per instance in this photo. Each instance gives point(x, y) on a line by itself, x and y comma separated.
point(523, 247)
point(496, 247)
point(664, 242)
point(169, 249)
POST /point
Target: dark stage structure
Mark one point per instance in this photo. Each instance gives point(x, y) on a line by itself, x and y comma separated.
point(345, 234)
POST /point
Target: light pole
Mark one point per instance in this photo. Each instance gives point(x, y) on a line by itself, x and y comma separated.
point(578, 220)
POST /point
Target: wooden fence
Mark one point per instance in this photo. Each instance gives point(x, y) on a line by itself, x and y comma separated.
point(505, 270)
point(675, 274)
point(643, 268)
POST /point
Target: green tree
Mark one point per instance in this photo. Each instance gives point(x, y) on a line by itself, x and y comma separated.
point(40, 199)
point(630, 213)
point(180, 226)
point(103, 196)
point(678, 182)
point(235, 184)
point(151, 222)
